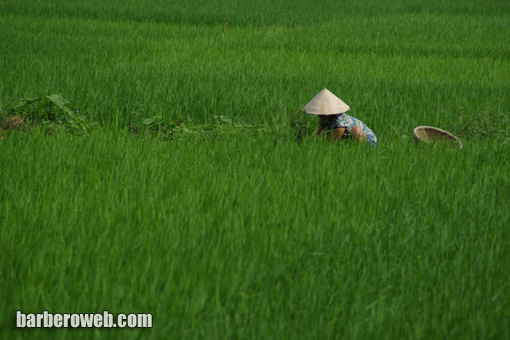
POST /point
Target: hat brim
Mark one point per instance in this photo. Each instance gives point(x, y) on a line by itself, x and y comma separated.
point(325, 103)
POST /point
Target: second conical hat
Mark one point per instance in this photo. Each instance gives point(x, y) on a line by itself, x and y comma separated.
point(326, 103)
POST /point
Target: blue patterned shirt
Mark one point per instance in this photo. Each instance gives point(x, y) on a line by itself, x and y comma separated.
point(348, 122)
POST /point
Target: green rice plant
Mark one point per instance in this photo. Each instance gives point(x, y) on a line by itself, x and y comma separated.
point(415, 69)
point(488, 124)
point(305, 238)
point(204, 198)
point(302, 125)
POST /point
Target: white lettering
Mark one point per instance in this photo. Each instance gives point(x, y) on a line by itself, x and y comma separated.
point(48, 319)
point(132, 320)
point(120, 320)
point(75, 320)
point(107, 319)
point(30, 320)
point(21, 319)
point(86, 320)
point(98, 320)
point(57, 320)
point(145, 320)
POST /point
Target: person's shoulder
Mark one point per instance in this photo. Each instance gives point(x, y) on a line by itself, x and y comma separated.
point(351, 119)
point(344, 117)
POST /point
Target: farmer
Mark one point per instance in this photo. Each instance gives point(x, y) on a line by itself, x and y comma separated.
point(332, 119)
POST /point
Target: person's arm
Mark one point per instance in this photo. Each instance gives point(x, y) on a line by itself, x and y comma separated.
point(338, 133)
point(320, 129)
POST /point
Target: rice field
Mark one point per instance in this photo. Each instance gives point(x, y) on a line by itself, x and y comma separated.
point(199, 194)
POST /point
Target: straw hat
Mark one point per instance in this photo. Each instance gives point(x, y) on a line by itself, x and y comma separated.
point(326, 103)
point(430, 134)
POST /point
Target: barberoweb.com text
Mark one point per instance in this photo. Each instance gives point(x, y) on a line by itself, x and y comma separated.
point(82, 320)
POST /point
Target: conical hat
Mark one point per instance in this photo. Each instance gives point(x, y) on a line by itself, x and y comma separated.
point(326, 103)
